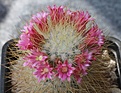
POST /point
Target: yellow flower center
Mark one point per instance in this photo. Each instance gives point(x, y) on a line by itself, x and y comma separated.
point(64, 69)
point(26, 31)
point(39, 58)
point(46, 70)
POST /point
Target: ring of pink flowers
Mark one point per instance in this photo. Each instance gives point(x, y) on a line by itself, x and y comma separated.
point(94, 36)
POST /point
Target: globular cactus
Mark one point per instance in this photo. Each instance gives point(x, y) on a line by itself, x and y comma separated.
point(60, 53)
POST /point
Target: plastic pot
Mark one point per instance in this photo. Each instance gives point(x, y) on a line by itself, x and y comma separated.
point(5, 83)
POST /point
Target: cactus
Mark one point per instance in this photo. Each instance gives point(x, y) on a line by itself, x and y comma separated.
point(60, 51)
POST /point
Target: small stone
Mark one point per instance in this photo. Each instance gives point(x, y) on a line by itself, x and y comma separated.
point(114, 90)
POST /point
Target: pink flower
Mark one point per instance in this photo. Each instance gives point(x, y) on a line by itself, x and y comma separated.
point(83, 57)
point(65, 70)
point(35, 59)
point(57, 14)
point(30, 38)
point(81, 19)
point(79, 73)
point(43, 72)
point(83, 60)
point(25, 42)
point(28, 29)
point(94, 37)
point(41, 20)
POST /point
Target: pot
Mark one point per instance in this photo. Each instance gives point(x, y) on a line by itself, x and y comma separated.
point(5, 81)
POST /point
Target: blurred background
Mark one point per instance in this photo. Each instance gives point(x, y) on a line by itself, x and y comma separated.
point(15, 13)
